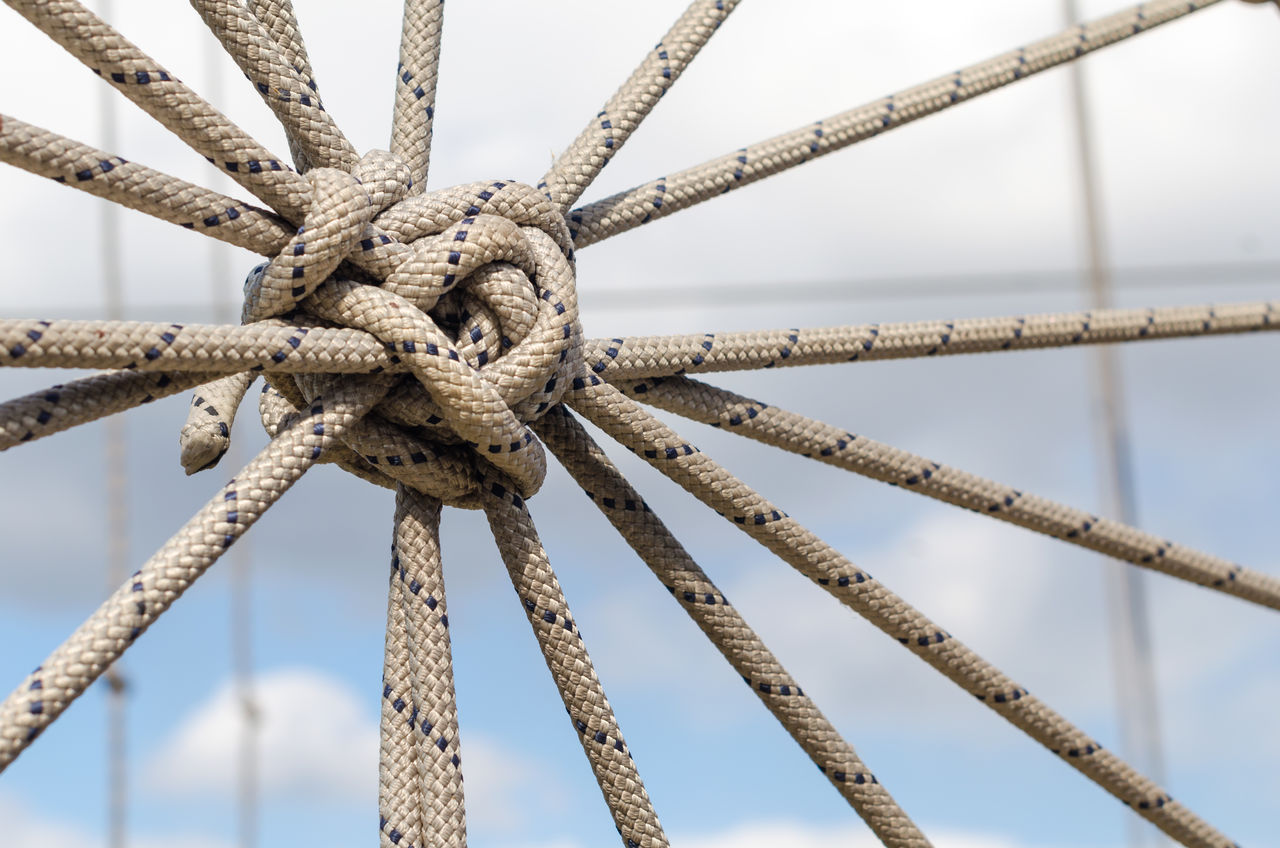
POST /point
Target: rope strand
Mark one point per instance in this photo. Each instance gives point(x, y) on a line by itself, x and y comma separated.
point(604, 135)
point(815, 440)
point(725, 627)
point(662, 448)
point(665, 195)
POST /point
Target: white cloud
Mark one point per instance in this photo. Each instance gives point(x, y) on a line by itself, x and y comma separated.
point(316, 739)
point(21, 827)
point(504, 789)
point(780, 833)
point(798, 834)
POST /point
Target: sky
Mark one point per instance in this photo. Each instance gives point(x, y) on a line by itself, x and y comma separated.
point(959, 215)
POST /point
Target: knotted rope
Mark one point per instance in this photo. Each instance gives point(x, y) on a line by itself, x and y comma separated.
point(414, 339)
point(476, 300)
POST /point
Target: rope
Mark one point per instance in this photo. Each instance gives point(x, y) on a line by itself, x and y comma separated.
point(604, 135)
point(417, 340)
point(665, 195)
point(304, 349)
point(861, 455)
point(290, 95)
point(570, 666)
point(179, 109)
point(105, 636)
point(416, 88)
point(622, 419)
point(724, 626)
point(663, 356)
point(420, 799)
point(135, 186)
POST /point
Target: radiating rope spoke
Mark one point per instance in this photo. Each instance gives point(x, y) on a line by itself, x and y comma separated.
point(277, 348)
point(282, 24)
point(726, 629)
point(566, 655)
point(157, 92)
point(290, 95)
point(798, 434)
point(109, 632)
point(135, 186)
point(669, 194)
point(665, 356)
point(420, 802)
point(63, 406)
point(416, 78)
point(605, 134)
point(627, 422)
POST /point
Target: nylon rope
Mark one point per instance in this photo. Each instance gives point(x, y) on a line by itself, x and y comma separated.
point(623, 420)
point(419, 339)
point(602, 138)
point(813, 439)
point(667, 194)
point(725, 627)
point(416, 88)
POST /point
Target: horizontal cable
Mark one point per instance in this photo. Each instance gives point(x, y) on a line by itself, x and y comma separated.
point(664, 356)
point(622, 419)
point(135, 186)
point(724, 626)
point(807, 437)
point(276, 348)
point(932, 286)
point(661, 197)
point(112, 629)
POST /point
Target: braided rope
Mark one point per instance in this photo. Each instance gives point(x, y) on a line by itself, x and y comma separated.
point(469, 293)
point(665, 356)
point(105, 636)
point(816, 440)
point(303, 349)
point(625, 421)
point(725, 627)
point(420, 778)
point(179, 109)
point(416, 88)
point(135, 186)
point(604, 135)
point(661, 197)
point(290, 94)
point(570, 666)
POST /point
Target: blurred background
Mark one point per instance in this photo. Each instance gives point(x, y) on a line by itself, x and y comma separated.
point(973, 212)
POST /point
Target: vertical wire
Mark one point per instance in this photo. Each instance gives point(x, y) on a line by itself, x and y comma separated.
point(116, 459)
point(1132, 666)
point(224, 311)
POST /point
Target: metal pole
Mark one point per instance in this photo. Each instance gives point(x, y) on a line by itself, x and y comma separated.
point(225, 312)
point(1134, 672)
point(117, 491)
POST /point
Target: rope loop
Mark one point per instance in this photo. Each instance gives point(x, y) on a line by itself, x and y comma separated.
point(471, 287)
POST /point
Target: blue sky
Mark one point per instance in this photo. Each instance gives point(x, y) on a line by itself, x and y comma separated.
point(1186, 139)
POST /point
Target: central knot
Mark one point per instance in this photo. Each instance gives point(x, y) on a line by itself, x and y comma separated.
point(471, 288)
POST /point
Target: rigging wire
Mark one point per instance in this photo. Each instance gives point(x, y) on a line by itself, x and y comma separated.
point(117, 485)
point(241, 619)
point(1132, 666)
